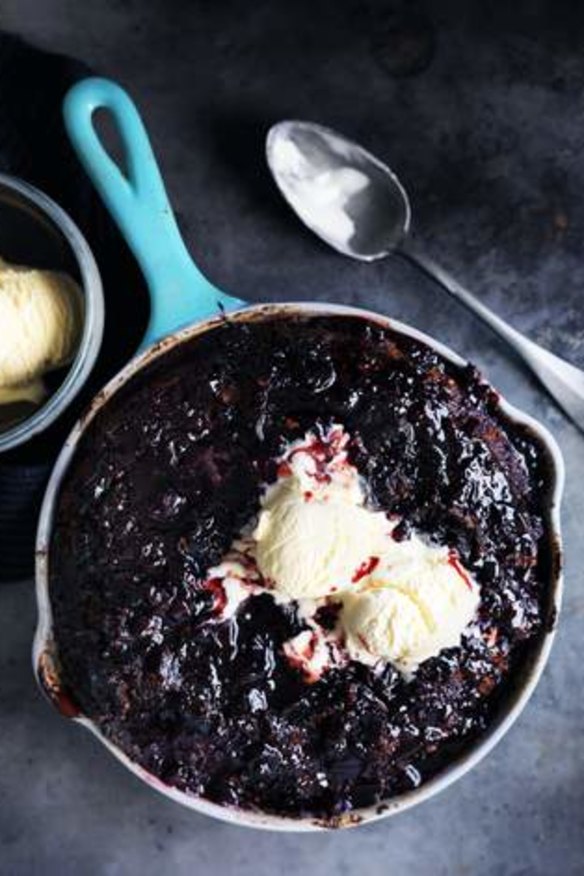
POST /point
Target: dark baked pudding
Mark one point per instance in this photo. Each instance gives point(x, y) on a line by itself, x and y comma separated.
point(297, 563)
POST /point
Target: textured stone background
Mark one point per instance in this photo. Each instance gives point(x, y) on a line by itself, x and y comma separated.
point(478, 107)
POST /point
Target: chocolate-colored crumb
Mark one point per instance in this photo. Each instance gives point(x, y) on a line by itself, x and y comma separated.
point(171, 469)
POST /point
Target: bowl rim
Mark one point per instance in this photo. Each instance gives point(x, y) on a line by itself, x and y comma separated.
point(93, 319)
point(44, 652)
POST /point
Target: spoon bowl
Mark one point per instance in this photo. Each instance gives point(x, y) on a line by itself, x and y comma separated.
point(343, 193)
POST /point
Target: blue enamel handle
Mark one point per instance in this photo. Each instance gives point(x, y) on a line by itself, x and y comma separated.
point(179, 293)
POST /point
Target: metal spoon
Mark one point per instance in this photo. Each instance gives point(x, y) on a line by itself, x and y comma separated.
point(356, 204)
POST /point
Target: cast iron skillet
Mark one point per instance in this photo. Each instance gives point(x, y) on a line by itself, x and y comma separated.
point(186, 305)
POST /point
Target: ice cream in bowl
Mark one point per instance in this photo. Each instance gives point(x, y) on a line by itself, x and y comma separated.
point(51, 311)
point(41, 314)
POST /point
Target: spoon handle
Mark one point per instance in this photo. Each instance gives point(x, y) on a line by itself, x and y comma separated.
point(562, 380)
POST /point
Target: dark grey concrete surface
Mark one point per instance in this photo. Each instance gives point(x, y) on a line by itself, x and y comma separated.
point(479, 108)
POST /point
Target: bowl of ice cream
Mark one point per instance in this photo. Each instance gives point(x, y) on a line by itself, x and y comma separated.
point(51, 311)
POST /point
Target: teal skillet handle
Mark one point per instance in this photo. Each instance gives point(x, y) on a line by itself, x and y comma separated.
point(179, 293)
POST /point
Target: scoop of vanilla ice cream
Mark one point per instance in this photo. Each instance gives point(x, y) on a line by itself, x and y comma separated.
point(402, 601)
point(418, 601)
point(41, 315)
point(310, 545)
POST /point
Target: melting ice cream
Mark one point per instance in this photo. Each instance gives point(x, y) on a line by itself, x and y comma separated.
point(316, 539)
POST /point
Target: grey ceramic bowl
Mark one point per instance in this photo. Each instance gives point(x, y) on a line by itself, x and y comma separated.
point(35, 231)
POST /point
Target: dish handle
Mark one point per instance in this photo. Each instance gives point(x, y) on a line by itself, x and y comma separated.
point(179, 293)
